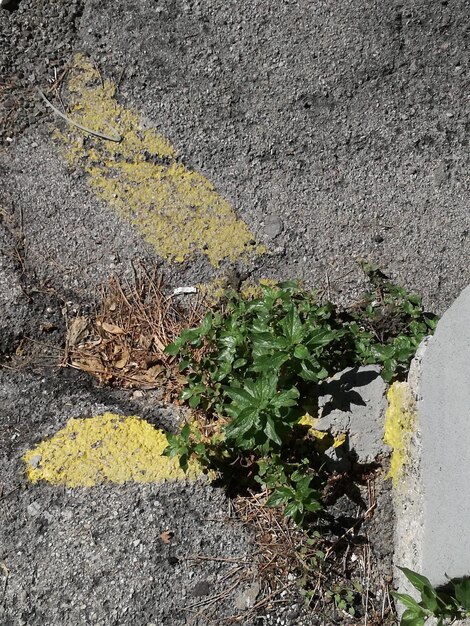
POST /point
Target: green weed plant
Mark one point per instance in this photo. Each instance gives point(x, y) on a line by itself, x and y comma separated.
point(447, 605)
point(255, 367)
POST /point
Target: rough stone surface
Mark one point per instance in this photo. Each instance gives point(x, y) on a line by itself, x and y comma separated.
point(246, 599)
point(354, 401)
point(335, 130)
point(13, 302)
point(36, 40)
point(408, 496)
point(347, 120)
point(27, 310)
point(65, 560)
point(64, 547)
point(444, 420)
point(332, 115)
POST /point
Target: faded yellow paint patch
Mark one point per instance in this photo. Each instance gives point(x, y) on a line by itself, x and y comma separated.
point(324, 439)
point(213, 291)
point(251, 289)
point(400, 421)
point(176, 210)
point(105, 448)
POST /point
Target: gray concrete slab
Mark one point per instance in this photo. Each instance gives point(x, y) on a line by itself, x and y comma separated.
point(354, 401)
point(408, 496)
point(445, 423)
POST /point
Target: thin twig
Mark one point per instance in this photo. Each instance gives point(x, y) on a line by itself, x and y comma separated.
point(5, 495)
point(201, 557)
point(117, 138)
point(328, 290)
point(366, 608)
point(212, 599)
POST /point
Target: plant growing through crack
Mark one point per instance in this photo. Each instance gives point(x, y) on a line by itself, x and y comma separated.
point(255, 366)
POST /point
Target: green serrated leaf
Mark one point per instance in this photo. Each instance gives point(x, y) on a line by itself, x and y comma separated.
point(239, 363)
point(273, 431)
point(265, 388)
point(279, 496)
point(286, 398)
point(189, 335)
point(241, 397)
point(383, 353)
point(268, 362)
point(172, 349)
point(206, 325)
point(241, 424)
point(407, 601)
point(291, 326)
point(313, 506)
point(389, 369)
point(194, 401)
point(231, 339)
point(294, 510)
point(268, 341)
point(183, 460)
point(429, 599)
point(308, 371)
point(320, 337)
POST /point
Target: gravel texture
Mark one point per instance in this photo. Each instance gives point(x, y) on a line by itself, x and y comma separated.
point(346, 123)
point(82, 556)
point(335, 129)
point(36, 40)
point(96, 557)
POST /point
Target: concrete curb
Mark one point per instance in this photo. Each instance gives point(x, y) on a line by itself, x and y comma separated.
point(408, 492)
point(432, 497)
point(444, 414)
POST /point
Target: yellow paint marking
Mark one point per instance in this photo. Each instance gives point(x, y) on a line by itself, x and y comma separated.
point(399, 426)
point(323, 438)
point(176, 210)
point(251, 289)
point(105, 448)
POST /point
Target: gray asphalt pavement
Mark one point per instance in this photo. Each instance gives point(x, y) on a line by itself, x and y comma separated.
point(334, 130)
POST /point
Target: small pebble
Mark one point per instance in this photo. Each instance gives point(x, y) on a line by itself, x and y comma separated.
point(35, 460)
point(201, 588)
point(33, 509)
point(273, 226)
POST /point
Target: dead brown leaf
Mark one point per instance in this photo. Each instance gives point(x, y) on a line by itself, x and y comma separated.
point(90, 364)
point(158, 344)
point(122, 362)
point(112, 328)
point(124, 343)
point(167, 536)
point(77, 331)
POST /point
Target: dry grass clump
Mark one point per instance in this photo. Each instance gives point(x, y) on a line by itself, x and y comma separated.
point(123, 344)
point(332, 576)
